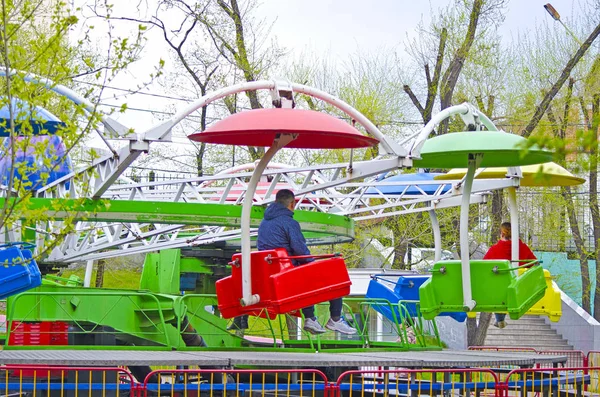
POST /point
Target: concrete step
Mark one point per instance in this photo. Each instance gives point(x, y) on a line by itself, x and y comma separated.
point(524, 326)
point(539, 321)
point(528, 331)
point(523, 342)
point(538, 332)
point(511, 336)
point(543, 346)
point(537, 346)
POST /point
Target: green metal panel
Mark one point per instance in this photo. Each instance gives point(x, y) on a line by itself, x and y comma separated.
point(132, 316)
point(130, 313)
point(494, 285)
point(443, 289)
point(499, 149)
point(526, 291)
point(194, 265)
point(329, 228)
point(161, 272)
point(212, 327)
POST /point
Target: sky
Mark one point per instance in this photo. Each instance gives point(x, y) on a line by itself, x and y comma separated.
point(337, 29)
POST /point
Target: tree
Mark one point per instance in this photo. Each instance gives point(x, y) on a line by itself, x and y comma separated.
point(592, 125)
point(556, 59)
point(452, 45)
point(217, 44)
point(34, 45)
point(559, 127)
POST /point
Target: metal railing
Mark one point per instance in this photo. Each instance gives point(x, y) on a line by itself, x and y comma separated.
point(61, 381)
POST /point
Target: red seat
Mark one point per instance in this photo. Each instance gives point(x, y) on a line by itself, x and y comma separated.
point(282, 287)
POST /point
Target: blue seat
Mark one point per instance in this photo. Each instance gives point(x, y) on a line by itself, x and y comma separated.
point(18, 271)
point(405, 289)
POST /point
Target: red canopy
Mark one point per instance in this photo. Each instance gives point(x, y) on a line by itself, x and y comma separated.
point(259, 127)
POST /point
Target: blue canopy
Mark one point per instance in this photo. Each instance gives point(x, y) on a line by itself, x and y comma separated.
point(42, 121)
point(412, 190)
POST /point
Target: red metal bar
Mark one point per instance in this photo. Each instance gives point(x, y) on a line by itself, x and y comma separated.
point(575, 358)
point(329, 388)
point(572, 376)
point(41, 374)
point(323, 256)
point(466, 374)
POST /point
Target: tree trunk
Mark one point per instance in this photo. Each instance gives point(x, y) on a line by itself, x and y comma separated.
point(496, 215)
point(100, 274)
point(476, 333)
point(581, 251)
point(400, 250)
point(560, 132)
point(593, 136)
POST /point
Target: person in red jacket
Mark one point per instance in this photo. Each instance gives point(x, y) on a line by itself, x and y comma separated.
point(503, 250)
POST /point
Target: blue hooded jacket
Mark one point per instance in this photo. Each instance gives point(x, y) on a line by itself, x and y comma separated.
point(279, 229)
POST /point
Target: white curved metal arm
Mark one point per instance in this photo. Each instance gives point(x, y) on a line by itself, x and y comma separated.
point(111, 125)
point(391, 147)
point(463, 109)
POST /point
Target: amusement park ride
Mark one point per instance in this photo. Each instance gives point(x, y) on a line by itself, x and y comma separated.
point(192, 230)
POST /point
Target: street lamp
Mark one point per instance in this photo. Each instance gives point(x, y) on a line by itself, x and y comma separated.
point(554, 14)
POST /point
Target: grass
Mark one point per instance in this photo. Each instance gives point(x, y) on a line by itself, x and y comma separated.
point(118, 278)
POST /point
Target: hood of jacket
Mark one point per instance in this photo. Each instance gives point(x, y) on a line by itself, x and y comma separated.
point(275, 210)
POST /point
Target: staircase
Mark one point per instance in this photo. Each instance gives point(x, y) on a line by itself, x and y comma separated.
point(528, 331)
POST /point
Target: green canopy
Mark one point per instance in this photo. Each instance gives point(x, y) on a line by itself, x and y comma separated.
point(499, 149)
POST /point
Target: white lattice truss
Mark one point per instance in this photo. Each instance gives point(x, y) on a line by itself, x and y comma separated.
point(318, 189)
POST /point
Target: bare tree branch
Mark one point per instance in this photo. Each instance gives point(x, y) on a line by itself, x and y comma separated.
point(452, 73)
point(543, 106)
point(414, 100)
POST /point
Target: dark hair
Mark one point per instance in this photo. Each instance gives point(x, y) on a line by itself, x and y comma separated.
point(505, 228)
point(285, 197)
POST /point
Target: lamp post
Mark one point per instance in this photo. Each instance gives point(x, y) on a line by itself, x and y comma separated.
point(556, 16)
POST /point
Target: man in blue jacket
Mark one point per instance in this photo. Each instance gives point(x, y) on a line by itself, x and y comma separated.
point(279, 229)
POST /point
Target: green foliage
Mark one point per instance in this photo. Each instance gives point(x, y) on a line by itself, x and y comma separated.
point(36, 54)
point(113, 278)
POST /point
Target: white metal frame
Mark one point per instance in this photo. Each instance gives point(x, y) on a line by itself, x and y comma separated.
point(318, 185)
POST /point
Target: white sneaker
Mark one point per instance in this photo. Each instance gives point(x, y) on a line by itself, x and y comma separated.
point(313, 327)
point(340, 326)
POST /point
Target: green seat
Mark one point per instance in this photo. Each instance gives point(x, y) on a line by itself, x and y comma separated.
point(494, 287)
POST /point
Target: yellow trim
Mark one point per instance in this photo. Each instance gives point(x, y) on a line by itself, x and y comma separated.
point(546, 174)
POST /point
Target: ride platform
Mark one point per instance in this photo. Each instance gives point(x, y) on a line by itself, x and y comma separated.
point(232, 359)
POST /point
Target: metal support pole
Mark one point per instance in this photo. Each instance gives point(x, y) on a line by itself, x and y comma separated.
point(437, 235)
point(247, 297)
point(87, 278)
point(468, 301)
point(514, 223)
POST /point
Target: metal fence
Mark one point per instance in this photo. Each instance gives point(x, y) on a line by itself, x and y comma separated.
point(545, 223)
point(54, 381)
